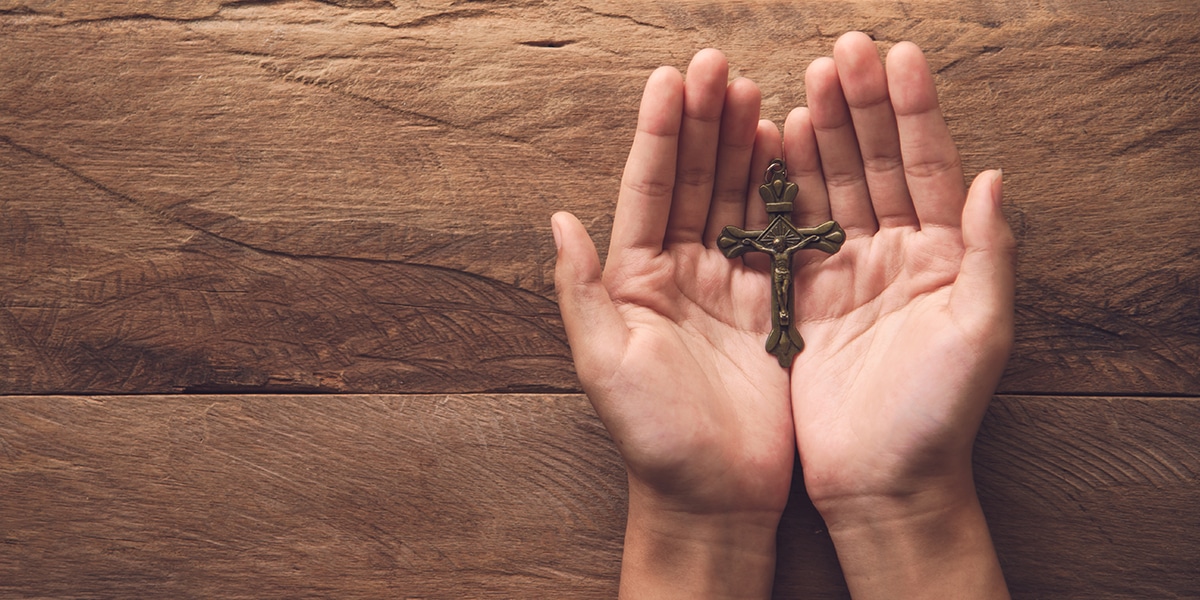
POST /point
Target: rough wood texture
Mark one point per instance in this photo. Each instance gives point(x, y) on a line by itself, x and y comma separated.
point(514, 496)
point(354, 196)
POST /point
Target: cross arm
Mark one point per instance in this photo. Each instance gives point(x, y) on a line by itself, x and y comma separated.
point(734, 242)
point(829, 236)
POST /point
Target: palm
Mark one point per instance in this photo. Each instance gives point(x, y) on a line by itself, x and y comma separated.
point(880, 340)
point(721, 406)
point(669, 344)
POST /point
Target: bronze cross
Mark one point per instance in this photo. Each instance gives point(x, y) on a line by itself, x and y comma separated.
point(780, 240)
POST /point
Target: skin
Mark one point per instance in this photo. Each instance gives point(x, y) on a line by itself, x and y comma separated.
point(668, 344)
point(909, 325)
point(907, 331)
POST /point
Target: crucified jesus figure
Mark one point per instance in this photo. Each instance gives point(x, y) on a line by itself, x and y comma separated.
point(780, 240)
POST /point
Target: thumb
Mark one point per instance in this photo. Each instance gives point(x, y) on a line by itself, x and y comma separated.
point(983, 291)
point(595, 330)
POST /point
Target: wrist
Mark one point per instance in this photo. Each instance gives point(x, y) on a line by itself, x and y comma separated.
point(855, 485)
point(894, 499)
point(673, 553)
point(932, 543)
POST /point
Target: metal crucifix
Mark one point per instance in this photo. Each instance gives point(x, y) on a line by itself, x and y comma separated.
point(780, 240)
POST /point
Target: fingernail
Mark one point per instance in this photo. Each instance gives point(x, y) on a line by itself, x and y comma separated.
point(557, 235)
point(998, 187)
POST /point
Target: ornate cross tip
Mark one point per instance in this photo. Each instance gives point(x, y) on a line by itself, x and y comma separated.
point(780, 240)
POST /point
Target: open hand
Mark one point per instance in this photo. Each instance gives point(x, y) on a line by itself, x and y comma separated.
point(668, 339)
point(907, 328)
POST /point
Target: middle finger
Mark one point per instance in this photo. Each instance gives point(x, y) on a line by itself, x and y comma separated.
point(865, 86)
point(703, 102)
point(841, 162)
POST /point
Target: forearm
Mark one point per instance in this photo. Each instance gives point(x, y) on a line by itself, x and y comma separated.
point(930, 545)
point(669, 554)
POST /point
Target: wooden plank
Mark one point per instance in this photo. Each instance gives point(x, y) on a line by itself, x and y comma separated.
point(354, 197)
point(500, 496)
point(1093, 498)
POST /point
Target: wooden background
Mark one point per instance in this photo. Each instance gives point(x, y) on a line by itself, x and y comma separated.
point(277, 316)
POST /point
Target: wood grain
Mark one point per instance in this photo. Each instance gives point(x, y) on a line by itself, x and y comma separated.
point(503, 496)
point(353, 196)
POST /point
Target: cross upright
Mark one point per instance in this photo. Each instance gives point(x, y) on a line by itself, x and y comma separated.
point(780, 240)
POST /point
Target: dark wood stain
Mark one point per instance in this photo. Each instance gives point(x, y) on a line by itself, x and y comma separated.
point(514, 495)
point(214, 212)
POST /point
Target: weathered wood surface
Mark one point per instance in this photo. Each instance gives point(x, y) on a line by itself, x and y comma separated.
point(354, 196)
point(514, 496)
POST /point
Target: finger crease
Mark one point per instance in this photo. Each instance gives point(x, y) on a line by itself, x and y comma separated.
point(844, 180)
point(885, 99)
point(882, 163)
point(695, 177)
point(702, 118)
point(932, 168)
point(652, 189)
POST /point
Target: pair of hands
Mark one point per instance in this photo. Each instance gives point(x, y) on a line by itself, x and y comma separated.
point(907, 331)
